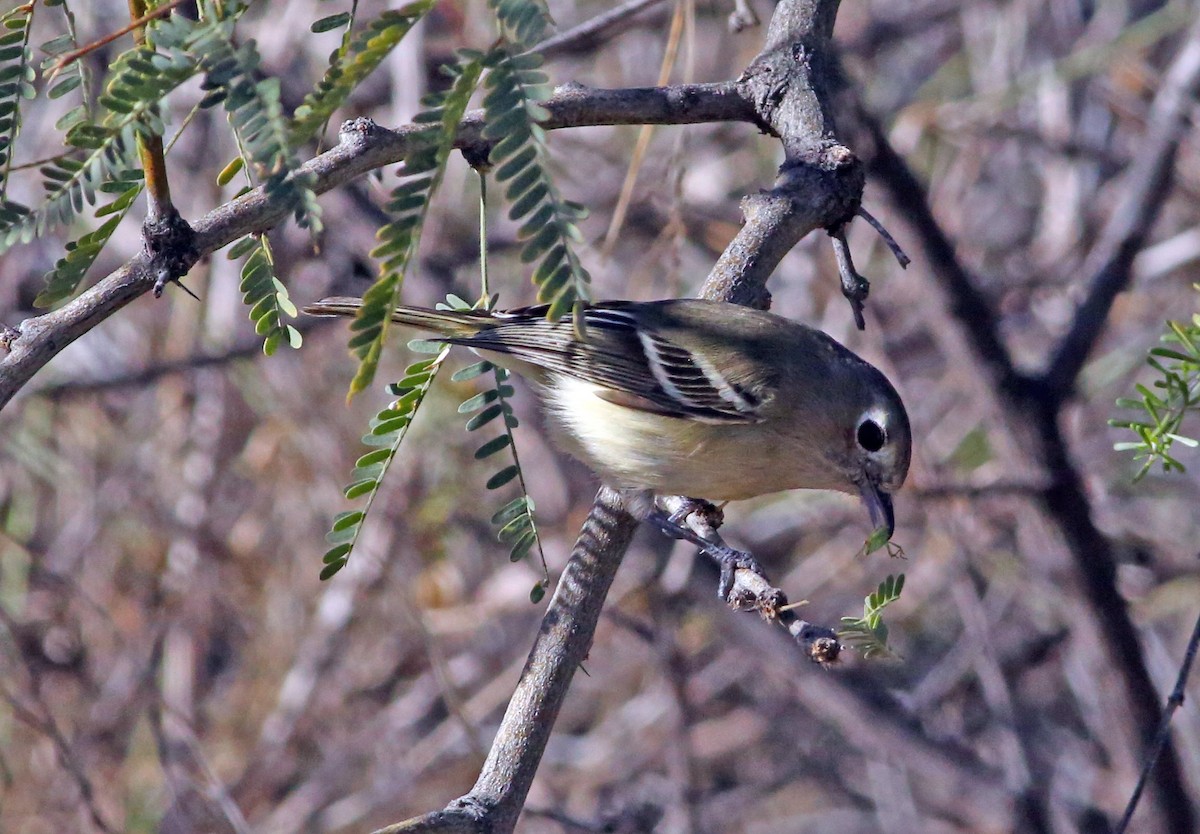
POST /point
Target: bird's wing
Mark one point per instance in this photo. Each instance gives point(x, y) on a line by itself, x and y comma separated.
point(638, 364)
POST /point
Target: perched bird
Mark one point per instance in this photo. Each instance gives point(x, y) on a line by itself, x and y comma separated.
point(695, 398)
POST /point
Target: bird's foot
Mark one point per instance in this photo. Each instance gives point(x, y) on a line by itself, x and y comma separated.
point(696, 521)
point(730, 561)
point(686, 515)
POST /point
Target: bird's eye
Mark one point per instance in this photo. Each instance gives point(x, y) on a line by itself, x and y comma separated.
point(871, 436)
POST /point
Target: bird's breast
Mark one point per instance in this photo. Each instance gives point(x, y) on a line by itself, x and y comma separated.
point(634, 449)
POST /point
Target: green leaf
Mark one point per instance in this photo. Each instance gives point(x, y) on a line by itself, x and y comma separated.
point(15, 60)
point(409, 205)
point(337, 553)
point(230, 171)
point(373, 458)
point(361, 488)
point(492, 446)
point(389, 427)
point(1168, 353)
point(351, 65)
point(548, 232)
point(524, 22)
point(62, 281)
point(511, 510)
point(522, 546)
point(516, 527)
point(484, 417)
point(472, 371)
point(331, 569)
point(478, 401)
point(333, 21)
point(1167, 402)
point(425, 345)
point(346, 520)
point(503, 477)
point(267, 298)
point(868, 634)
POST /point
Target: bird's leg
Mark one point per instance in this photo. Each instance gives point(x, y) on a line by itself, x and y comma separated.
point(696, 521)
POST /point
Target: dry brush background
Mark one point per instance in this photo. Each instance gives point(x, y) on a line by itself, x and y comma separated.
point(169, 661)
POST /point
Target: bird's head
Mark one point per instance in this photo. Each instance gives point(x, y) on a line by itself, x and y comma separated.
point(876, 446)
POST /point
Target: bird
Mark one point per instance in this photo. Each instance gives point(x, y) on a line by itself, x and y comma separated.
point(698, 398)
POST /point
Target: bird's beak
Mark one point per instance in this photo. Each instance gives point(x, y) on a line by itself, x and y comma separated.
point(879, 505)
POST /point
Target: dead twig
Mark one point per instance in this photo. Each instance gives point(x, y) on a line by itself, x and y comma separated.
point(1174, 701)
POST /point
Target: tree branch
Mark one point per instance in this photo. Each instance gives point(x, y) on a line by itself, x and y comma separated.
point(785, 92)
point(820, 182)
point(594, 31)
point(1174, 701)
point(364, 147)
point(819, 186)
point(1149, 181)
point(1032, 408)
point(562, 643)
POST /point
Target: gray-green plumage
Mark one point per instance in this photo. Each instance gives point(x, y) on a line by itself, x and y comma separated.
point(695, 397)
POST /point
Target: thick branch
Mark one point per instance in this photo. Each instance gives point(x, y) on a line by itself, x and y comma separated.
point(1148, 183)
point(967, 304)
point(775, 221)
point(791, 81)
point(364, 147)
point(821, 181)
point(1032, 409)
point(820, 186)
point(561, 645)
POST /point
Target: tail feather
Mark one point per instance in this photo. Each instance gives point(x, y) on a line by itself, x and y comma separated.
point(451, 323)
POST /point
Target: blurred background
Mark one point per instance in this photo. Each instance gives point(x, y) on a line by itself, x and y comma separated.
point(170, 662)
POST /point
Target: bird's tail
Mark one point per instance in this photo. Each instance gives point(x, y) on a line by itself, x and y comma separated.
point(454, 324)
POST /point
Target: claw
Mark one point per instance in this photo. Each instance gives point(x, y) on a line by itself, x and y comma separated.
point(732, 561)
point(729, 560)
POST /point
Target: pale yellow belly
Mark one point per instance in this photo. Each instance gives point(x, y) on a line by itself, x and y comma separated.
point(634, 449)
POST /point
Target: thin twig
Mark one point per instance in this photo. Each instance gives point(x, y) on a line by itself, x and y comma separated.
point(742, 17)
point(1151, 177)
point(364, 148)
point(643, 140)
point(750, 589)
point(596, 30)
point(854, 286)
point(160, 211)
point(901, 257)
point(107, 39)
point(38, 163)
point(1174, 701)
point(48, 726)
